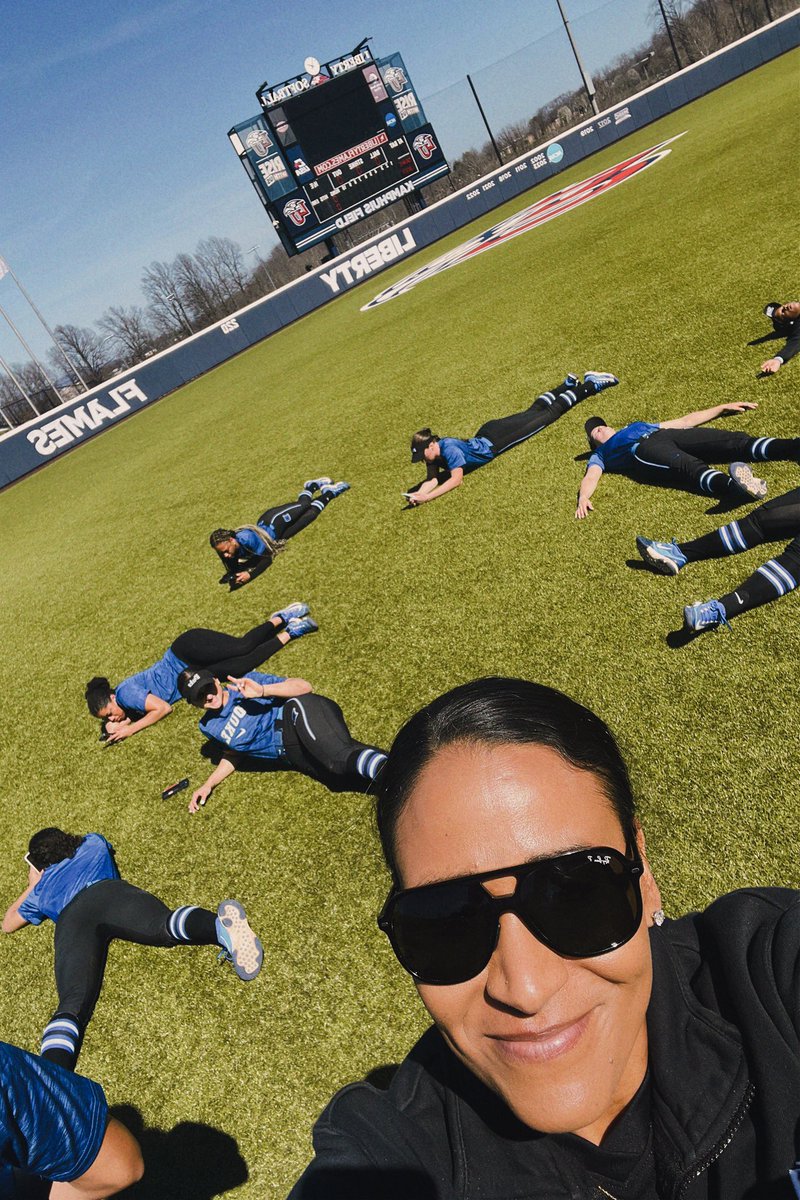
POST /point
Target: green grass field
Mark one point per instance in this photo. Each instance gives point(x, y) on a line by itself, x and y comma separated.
point(661, 281)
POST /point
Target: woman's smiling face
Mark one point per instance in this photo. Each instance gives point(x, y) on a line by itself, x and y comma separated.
point(562, 1040)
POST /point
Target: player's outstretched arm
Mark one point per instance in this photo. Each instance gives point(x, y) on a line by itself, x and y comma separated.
point(224, 768)
point(12, 921)
point(439, 489)
point(587, 489)
point(251, 689)
point(118, 1165)
point(693, 419)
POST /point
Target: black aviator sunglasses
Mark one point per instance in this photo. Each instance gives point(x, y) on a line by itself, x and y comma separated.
point(581, 905)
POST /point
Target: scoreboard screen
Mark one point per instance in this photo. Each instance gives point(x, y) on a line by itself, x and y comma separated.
point(335, 145)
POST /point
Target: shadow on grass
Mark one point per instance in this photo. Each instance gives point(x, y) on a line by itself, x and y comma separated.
point(678, 638)
point(189, 1162)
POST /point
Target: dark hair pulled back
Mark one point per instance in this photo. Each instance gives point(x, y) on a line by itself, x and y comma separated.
point(499, 710)
point(52, 845)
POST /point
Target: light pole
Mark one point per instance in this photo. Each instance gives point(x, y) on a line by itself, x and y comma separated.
point(174, 296)
point(5, 267)
point(260, 263)
point(585, 76)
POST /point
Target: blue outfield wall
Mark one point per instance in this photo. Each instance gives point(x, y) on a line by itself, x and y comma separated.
point(30, 446)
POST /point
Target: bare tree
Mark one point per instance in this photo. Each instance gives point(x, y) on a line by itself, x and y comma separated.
point(84, 349)
point(166, 307)
point(223, 261)
point(130, 330)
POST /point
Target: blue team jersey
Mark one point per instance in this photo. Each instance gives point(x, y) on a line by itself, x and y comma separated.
point(248, 726)
point(467, 454)
point(617, 453)
point(252, 542)
point(52, 1122)
point(159, 680)
point(91, 862)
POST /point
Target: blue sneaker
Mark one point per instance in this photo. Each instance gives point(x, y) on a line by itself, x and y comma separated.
point(571, 380)
point(662, 557)
point(600, 380)
point(297, 627)
point(313, 485)
point(298, 608)
point(705, 615)
point(240, 946)
point(335, 489)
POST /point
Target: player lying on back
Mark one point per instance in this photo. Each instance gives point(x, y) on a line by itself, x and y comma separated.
point(676, 454)
point(448, 460)
point(786, 323)
point(272, 719)
point(145, 698)
point(771, 522)
point(55, 1125)
point(246, 552)
point(74, 882)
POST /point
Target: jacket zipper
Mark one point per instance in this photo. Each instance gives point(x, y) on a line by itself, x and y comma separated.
point(720, 1149)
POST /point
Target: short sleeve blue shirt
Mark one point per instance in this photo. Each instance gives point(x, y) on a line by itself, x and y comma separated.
point(248, 726)
point(467, 454)
point(161, 680)
point(52, 1122)
point(91, 862)
point(251, 541)
point(617, 453)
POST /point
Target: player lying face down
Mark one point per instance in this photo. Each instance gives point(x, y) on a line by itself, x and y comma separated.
point(271, 719)
point(582, 1044)
point(448, 460)
point(145, 698)
point(247, 551)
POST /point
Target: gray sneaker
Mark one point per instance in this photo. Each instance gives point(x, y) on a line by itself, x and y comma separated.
point(239, 944)
point(742, 475)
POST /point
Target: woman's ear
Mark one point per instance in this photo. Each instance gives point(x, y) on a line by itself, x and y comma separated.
point(651, 896)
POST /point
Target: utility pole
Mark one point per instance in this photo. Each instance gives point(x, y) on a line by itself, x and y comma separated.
point(585, 76)
point(669, 35)
point(32, 356)
point(5, 267)
point(14, 380)
point(486, 123)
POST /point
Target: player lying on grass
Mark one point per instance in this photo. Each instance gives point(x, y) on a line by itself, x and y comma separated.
point(247, 551)
point(786, 323)
point(263, 717)
point(676, 453)
point(771, 522)
point(74, 882)
point(448, 459)
point(143, 699)
point(55, 1126)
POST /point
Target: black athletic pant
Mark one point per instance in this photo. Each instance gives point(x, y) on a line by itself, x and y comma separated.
point(289, 519)
point(771, 522)
point(318, 743)
point(680, 457)
point(110, 909)
point(506, 432)
point(224, 655)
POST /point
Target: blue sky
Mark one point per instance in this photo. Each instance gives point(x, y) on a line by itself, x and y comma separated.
point(114, 144)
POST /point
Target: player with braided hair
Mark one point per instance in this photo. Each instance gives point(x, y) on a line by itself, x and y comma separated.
point(145, 698)
point(247, 551)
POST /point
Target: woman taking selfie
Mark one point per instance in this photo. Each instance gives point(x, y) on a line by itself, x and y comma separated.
point(583, 1045)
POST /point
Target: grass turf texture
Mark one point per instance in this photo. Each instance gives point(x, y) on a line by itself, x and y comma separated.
point(661, 281)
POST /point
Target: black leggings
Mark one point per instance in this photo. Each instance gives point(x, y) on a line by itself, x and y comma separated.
point(505, 432)
point(318, 743)
point(289, 519)
point(110, 909)
point(680, 457)
point(771, 522)
point(224, 655)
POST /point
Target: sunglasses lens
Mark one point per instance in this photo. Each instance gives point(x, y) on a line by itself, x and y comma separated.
point(583, 904)
point(445, 933)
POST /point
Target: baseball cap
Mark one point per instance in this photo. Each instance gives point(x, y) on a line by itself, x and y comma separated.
point(591, 424)
point(419, 443)
point(195, 685)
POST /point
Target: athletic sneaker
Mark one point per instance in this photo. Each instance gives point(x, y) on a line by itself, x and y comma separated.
point(746, 481)
point(600, 380)
point(662, 557)
point(335, 489)
point(312, 485)
point(571, 380)
point(705, 615)
point(297, 627)
point(298, 608)
point(240, 946)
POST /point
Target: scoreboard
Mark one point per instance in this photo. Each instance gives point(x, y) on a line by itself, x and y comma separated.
point(336, 144)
